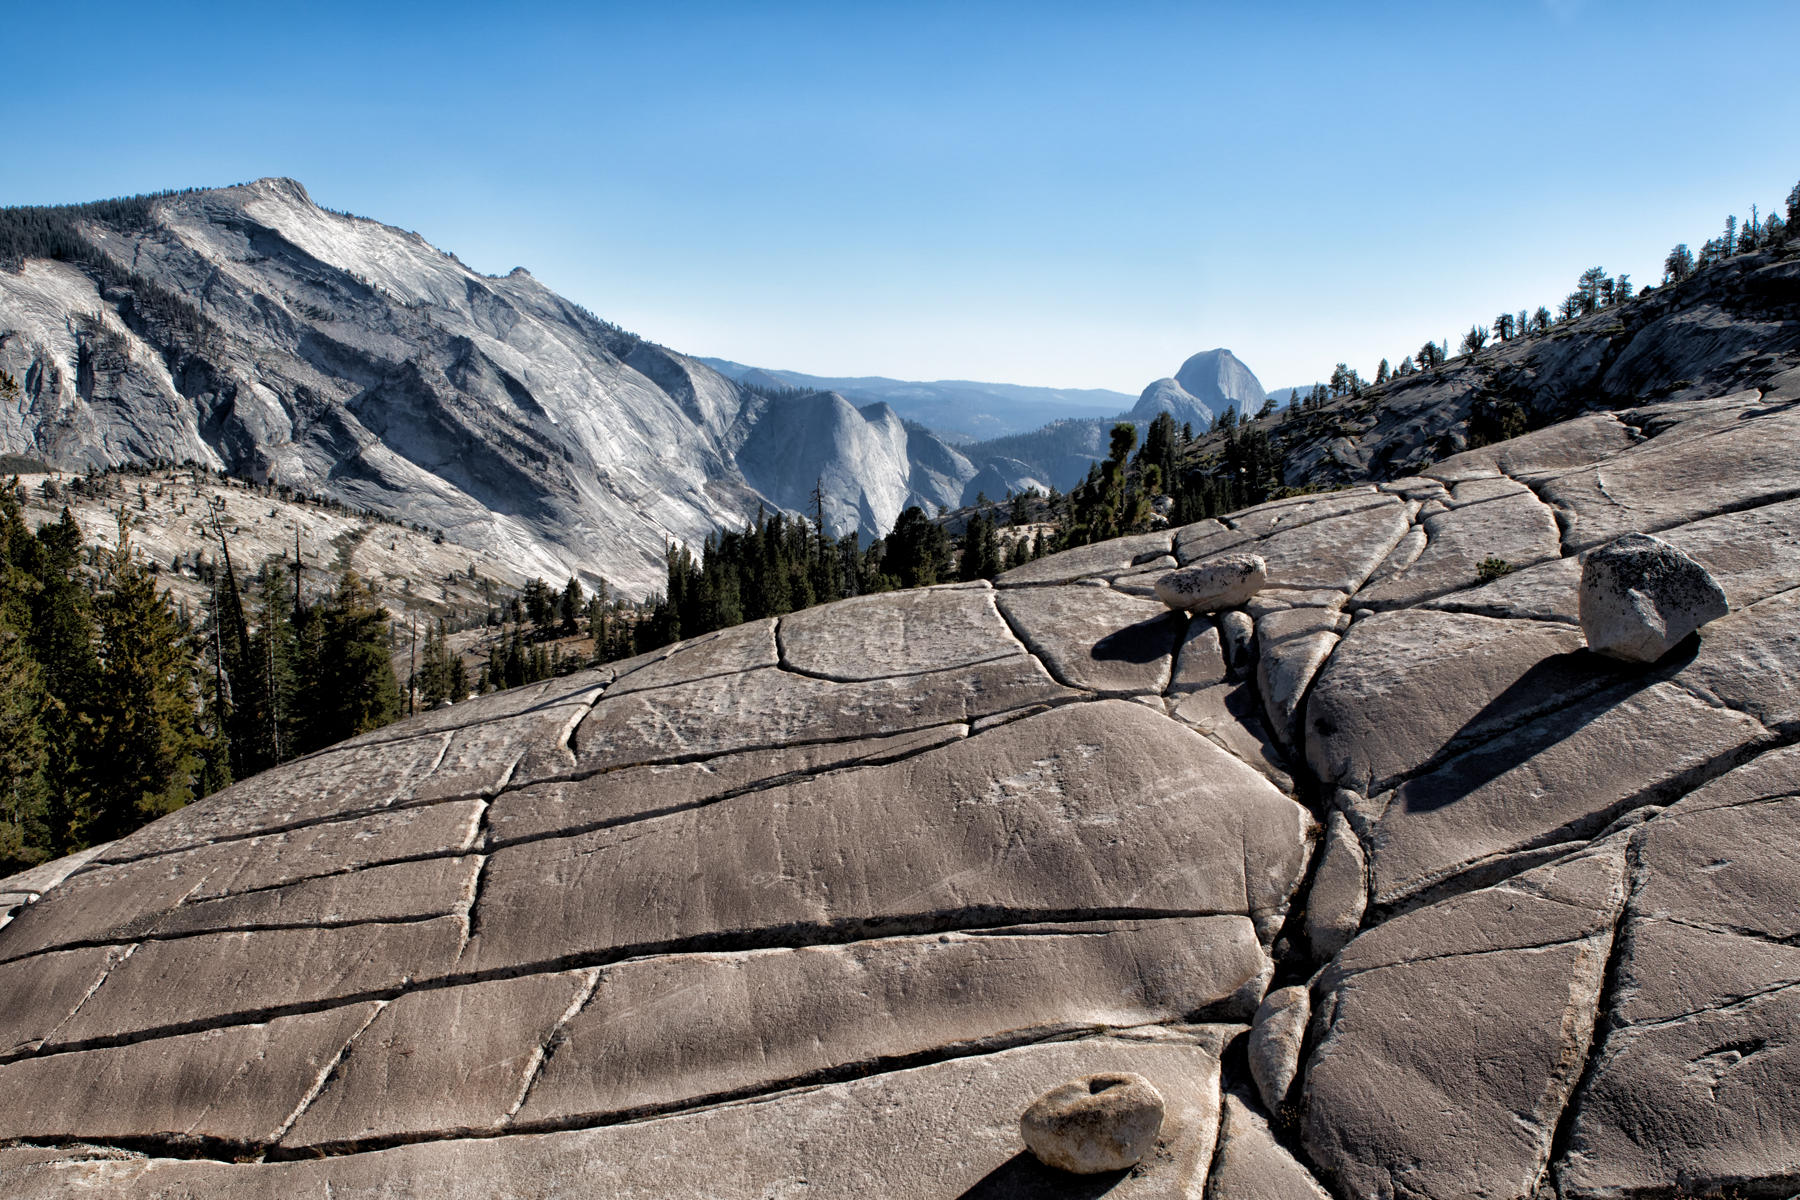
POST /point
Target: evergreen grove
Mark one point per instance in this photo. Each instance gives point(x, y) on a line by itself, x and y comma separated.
point(115, 708)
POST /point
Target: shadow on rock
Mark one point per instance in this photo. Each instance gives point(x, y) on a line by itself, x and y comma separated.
point(1023, 1177)
point(1144, 642)
point(1485, 748)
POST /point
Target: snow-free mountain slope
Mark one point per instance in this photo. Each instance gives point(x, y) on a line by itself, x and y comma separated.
point(343, 357)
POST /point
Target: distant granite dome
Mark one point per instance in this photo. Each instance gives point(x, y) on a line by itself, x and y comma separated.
point(1208, 383)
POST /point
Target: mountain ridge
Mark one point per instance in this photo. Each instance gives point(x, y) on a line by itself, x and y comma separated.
point(248, 330)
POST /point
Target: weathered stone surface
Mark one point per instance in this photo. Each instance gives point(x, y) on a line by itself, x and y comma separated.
point(1405, 689)
point(1098, 560)
point(1096, 638)
point(1671, 480)
point(448, 1060)
point(1340, 889)
point(1449, 1044)
point(772, 707)
point(664, 1030)
point(331, 785)
point(1294, 511)
point(240, 1085)
point(279, 877)
point(1332, 553)
point(1237, 637)
point(43, 877)
point(821, 903)
point(1230, 715)
point(1045, 816)
point(1251, 1165)
point(1275, 1042)
point(615, 797)
point(1200, 661)
point(726, 652)
point(1750, 661)
point(38, 995)
point(1640, 596)
point(947, 1129)
point(1207, 537)
point(1706, 1101)
point(1516, 528)
point(1095, 1124)
point(1563, 776)
point(1291, 647)
point(1574, 443)
point(1692, 1083)
point(581, 688)
point(224, 978)
point(1549, 591)
point(1225, 581)
point(905, 633)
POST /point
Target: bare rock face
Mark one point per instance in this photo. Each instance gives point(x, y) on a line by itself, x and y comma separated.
point(1640, 597)
point(1224, 582)
point(1275, 1041)
point(823, 902)
point(1094, 1124)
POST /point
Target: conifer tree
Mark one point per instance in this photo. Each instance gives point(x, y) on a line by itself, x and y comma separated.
point(145, 740)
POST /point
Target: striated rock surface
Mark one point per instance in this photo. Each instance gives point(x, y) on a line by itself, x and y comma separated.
point(1386, 882)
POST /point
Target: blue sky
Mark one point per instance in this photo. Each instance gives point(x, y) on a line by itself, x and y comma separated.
point(1065, 194)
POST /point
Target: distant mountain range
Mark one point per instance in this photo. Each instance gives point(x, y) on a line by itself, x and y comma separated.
point(1031, 453)
point(957, 410)
point(250, 331)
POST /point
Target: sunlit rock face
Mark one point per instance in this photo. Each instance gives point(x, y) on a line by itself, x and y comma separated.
point(824, 902)
point(347, 358)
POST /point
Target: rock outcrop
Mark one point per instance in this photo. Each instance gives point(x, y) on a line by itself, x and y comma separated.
point(1385, 882)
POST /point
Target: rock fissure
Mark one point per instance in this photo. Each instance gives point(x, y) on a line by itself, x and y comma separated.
point(1601, 1026)
point(326, 1074)
point(783, 937)
point(575, 829)
point(541, 1056)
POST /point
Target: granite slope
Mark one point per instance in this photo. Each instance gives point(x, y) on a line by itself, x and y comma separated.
point(821, 903)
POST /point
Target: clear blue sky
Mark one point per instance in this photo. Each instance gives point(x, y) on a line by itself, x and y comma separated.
point(1047, 193)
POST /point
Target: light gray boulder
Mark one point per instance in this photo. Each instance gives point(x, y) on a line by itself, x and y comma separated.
point(1640, 597)
point(1224, 582)
point(1275, 1042)
point(1098, 1123)
point(1340, 890)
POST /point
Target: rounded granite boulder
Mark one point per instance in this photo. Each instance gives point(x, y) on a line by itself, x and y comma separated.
point(1224, 582)
point(1640, 597)
point(1098, 1123)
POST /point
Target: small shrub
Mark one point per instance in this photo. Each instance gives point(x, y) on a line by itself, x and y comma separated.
point(1490, 569)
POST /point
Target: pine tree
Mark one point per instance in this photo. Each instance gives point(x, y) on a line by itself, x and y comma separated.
point(24, 839)
point(348, 685)
point(570, 607)
point(145, 740)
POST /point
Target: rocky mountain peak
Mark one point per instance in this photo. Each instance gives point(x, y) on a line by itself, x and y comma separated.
point(250, 331)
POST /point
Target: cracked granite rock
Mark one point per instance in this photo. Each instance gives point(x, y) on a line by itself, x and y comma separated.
point(820, 903)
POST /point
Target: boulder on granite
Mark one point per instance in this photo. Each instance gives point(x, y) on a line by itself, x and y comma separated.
point(1223, 582)
point(1640, 597)
point(1098, 1123)
point(1275, 1042)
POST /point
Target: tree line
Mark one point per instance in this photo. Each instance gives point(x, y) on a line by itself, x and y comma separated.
point(116, 707)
